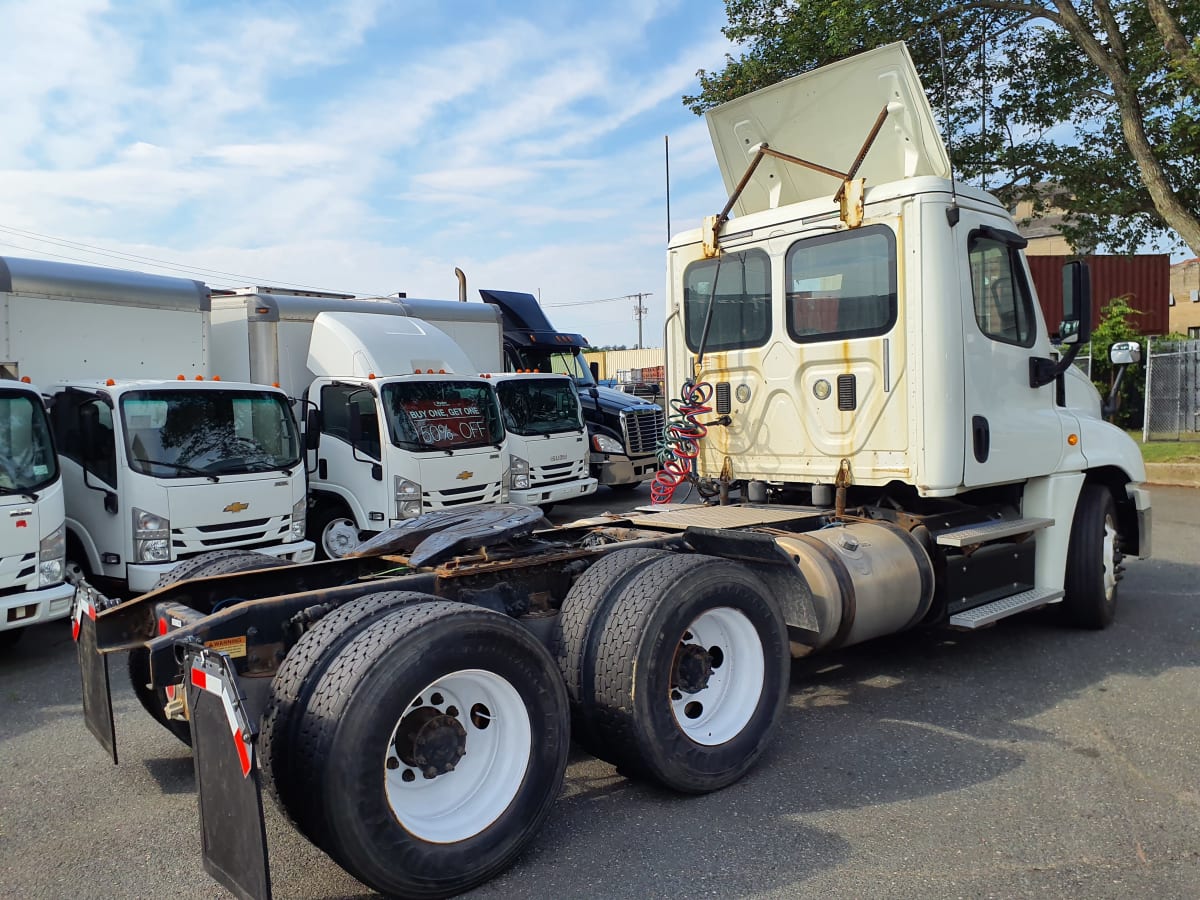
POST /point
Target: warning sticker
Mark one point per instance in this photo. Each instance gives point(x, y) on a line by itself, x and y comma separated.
point(234, 646)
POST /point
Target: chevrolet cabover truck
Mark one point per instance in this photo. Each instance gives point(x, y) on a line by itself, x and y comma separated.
point(896, 443)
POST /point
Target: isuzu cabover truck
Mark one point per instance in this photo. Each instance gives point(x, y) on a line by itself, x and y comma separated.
point(160, 461)
point(866, 374)
point(375, 366)
point(623, 430)
point(32, 526)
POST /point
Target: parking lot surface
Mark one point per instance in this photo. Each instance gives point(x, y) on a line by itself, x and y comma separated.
point(1023, 760)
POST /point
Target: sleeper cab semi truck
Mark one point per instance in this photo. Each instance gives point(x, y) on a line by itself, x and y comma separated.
point(159, 461)
point(397, 421)
point(623, 430)
point(33, 588)
point(881, 397)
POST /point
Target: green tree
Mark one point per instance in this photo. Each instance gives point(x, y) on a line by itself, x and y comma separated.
point(1116, 324)
point(1093, 109)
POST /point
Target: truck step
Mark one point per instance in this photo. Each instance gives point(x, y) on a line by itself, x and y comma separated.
point(990, 531)
point(1005, 607)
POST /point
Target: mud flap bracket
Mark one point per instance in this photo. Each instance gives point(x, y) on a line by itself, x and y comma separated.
point(229, 792)
point(93, 670)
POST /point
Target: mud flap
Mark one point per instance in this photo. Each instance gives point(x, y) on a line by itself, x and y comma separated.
point(93, 670)
point(228, 789)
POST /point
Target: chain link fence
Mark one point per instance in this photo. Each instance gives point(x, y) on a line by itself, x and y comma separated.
point(1172, 392)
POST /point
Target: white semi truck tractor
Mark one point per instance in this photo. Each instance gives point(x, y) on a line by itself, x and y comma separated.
point(891, 442)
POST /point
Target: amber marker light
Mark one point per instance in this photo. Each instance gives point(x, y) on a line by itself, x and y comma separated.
point(1072, 439)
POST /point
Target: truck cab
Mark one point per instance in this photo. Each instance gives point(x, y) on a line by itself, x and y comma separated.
point(623, 430)
point(547, 438)
point(32, 535)
point(159, 471)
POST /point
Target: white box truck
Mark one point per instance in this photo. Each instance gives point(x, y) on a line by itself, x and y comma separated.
point(32, 525)
point(270, 335)
point(397, 421)
point(160, 459)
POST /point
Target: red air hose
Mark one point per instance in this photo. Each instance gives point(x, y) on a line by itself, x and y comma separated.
point(681, 441)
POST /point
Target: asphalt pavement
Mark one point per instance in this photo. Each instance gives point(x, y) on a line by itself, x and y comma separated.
point(1024, 760)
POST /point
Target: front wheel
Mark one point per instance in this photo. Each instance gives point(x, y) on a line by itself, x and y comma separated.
point(334, 532)
point(1093, 561)
point(433, 747)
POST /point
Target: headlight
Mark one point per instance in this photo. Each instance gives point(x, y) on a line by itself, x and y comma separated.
point(518, 473)
point(408, 498)
point(51, 552)
point(151, 535)
point(299, 514)
point(605, 444)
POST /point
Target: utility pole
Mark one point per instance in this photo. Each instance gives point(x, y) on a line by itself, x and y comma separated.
point(639, 313)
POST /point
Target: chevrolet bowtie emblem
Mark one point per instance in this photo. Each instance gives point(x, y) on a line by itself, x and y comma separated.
point(465, 476)
point(237, 507)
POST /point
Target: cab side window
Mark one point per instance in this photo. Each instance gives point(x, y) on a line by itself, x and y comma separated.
point(1002, 299)
point(66, 419)
point(336, 400)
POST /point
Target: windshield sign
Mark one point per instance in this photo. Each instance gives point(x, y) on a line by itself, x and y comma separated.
point(182, 434)
point(539, 405)
point(432, 415)
point(27, 459)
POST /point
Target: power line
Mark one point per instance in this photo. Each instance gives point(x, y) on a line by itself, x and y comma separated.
point(173, 267)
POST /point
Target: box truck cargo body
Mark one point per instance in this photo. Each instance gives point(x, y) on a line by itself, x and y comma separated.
point(160, 459)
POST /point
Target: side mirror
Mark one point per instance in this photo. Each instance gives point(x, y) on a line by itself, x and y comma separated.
point(1125, 353)
point(1076, 327)
point(312, 429)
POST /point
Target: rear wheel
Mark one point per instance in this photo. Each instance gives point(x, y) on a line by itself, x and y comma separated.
point(433, 746)
point(690, 673)
point(219, 562)
point(295, 680)
point(579, 624)
point(1093, 561)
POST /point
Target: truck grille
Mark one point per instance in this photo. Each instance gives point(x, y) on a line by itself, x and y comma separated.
point(464, 496)
point(255, 533)
point(643, 430)
point(557, 473)
point(15, 572)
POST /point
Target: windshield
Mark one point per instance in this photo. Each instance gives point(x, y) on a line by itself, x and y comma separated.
point(539, 405)
point(559, 362)
point(180, 434)
point(441, 415)
point(27, 459)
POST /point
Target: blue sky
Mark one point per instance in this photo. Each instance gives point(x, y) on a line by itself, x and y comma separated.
point(364, 146)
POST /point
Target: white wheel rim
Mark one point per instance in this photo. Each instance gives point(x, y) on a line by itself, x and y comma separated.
point(725, 704)
point(458, 804)
point(339, 538)
point(1110, 558)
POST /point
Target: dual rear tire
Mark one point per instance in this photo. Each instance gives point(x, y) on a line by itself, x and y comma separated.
point(676, 666)
point(419, 742)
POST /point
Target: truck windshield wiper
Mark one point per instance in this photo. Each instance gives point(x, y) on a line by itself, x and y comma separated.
point(20, 492)
point(178, 467)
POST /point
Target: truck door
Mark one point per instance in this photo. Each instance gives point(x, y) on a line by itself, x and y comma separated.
point(1012, 431)
point(346, 466)
point(90, 479)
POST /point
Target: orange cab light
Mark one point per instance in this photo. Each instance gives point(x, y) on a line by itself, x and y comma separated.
point(416, 371)
point(262, 310)
point(441, 371)
point(110, 382)
point(274, 384)
point(1072, 439)
point(199, 377)
point(370, 376)
point(429, 371)
point(216, 378)
point(180, 377)
point(25, 379)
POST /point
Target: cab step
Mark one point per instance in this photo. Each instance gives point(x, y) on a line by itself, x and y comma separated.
point(1005, 607)
point(990, 531)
